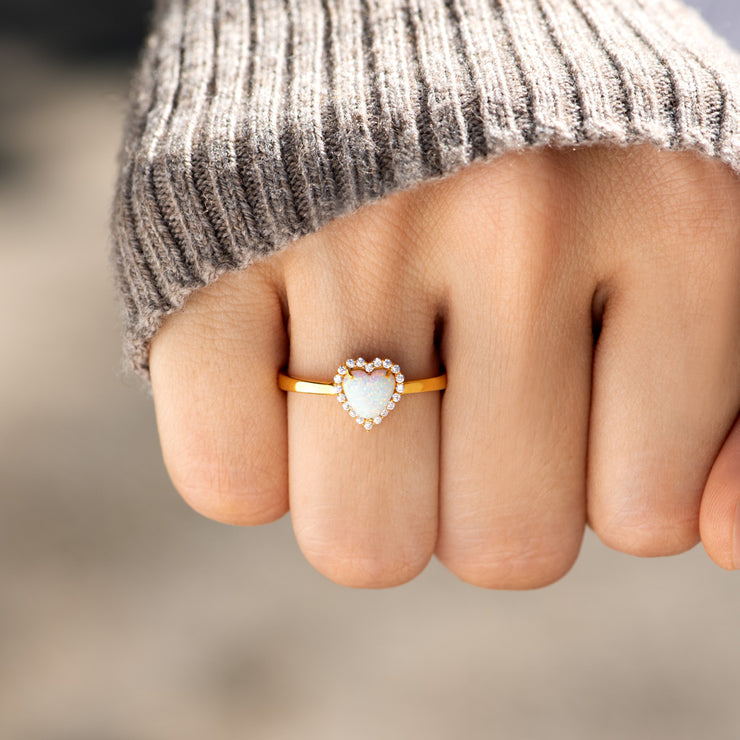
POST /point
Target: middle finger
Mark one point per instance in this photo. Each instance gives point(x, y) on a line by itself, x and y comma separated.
point(517, 346)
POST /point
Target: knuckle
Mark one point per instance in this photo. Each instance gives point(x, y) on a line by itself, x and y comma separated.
point(228, 490)
point(519, 195)
point(515, 566)
point(648, 534)
point(688, 193)
point(360, 564)
point(523, 193)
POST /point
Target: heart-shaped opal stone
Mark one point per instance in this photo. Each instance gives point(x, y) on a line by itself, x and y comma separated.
point(369, 393)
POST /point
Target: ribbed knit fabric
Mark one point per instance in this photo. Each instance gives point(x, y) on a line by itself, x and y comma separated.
point(254, 122)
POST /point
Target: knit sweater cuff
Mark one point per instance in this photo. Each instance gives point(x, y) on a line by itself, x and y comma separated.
point(254, 123)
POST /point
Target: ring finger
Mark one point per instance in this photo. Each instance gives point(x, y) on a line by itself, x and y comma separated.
point(363, 503)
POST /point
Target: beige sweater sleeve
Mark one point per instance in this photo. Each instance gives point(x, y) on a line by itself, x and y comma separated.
point(254, 122)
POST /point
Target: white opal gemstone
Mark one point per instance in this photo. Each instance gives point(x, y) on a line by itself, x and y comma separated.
point(369, 393)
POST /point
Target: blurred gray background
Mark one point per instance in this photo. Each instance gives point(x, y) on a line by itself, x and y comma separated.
point(126, 616)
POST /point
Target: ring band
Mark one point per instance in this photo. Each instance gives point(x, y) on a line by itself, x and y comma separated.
point(367, 389)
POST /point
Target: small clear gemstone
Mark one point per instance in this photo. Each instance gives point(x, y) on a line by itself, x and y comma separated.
point(396, 397)
point(369, 367)
point(368, 425)
point(377, 419)
point(396, 369)
point(384, 412)
point(338, 379)
point(341, 397)
point(387, 363)
point(352, 413)
point(342, 370)
point(338, 387)
point(360, 420)
point(400, 378)
point(350, 363)
point(399, 388)
point(390, 406)
point(360, 361)
point(377, 362)
point(346, 406)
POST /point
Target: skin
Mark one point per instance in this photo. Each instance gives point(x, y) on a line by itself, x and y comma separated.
point(585, 304)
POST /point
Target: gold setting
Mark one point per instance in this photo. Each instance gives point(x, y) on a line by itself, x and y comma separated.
point(350, 369)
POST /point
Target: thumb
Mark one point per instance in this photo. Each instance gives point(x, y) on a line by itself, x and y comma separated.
point(719, 519)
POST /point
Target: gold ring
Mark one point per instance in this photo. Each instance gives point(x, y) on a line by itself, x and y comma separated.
point(367, 389)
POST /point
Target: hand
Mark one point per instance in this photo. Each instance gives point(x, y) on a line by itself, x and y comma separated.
point(504, 273)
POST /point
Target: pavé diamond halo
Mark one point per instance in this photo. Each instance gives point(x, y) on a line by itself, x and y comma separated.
point(368, 390)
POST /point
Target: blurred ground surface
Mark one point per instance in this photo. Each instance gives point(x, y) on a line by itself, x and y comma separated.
point(125, 616)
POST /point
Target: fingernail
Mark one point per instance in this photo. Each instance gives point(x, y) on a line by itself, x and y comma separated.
point(736, 540)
